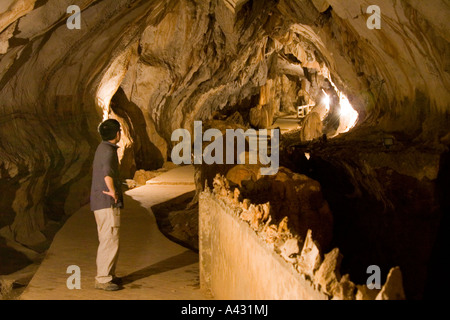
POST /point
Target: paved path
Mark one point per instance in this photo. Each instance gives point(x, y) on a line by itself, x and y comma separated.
point(179, 175)
point(153, 267)
point(286, 123)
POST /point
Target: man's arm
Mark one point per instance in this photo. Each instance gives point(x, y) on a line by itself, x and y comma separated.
point(112, 191)
point(107, 159)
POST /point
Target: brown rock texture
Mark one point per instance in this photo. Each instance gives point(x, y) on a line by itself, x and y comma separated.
point(312, 127)
point(328, 275)
point(345, 290)
point(293, 195)
point(310, 257)
point(364, 293)
point(393, 288)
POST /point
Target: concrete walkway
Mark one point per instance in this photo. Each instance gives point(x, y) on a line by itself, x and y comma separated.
point(286, 123)
point(152, 266)
point(177, 176)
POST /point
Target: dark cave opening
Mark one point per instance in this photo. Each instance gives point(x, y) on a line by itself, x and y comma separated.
point(242, 107)
point(439, 264)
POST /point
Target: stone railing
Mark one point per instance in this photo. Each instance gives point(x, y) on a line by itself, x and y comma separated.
point(244, 256)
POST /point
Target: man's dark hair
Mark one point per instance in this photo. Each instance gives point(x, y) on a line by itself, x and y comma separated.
point(108, 129)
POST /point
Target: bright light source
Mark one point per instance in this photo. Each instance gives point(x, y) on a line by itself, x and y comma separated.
point(346, 107)
point(326, 100)
point(349, 116)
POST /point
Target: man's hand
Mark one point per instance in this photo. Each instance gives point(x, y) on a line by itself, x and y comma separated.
point(111, 194)
point(110, 184)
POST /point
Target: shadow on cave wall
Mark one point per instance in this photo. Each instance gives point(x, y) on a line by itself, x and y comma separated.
point(144, 153)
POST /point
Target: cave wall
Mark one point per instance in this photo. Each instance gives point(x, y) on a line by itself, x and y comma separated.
point(396, 77)
point(49, 78)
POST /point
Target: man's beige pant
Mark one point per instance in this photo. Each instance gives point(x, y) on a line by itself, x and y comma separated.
point(108, 226)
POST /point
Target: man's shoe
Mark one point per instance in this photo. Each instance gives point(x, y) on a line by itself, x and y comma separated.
point(109, 286)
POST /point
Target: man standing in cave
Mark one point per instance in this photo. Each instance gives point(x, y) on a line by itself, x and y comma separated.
point(106, 202)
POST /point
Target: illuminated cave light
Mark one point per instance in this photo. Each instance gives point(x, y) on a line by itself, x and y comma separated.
point(105, 92)
point(105, 107)
point(326, 101)
point(349, 116)
point(111, 81)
